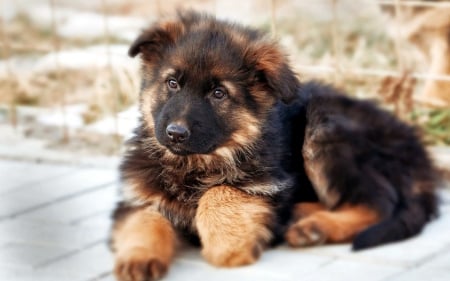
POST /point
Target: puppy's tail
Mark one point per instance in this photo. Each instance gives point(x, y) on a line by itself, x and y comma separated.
point(404, 223)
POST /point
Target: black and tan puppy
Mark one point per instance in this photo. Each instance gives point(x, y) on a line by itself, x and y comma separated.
point(234, 153)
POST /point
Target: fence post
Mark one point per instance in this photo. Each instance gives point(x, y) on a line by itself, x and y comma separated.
point(9, 73)
point(273, 26)
point(112, 80)
point(56, 49)
point(398, 42)
point(158, 9)
point(335, 42)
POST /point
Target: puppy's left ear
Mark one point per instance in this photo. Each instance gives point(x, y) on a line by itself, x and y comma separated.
point(152, 41)
point(273, 69)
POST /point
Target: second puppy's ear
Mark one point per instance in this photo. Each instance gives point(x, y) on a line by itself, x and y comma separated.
point(153, 41)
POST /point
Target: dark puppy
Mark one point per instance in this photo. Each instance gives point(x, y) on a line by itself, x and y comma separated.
point(220, 157)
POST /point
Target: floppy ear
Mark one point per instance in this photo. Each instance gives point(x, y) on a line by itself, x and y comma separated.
point(152, 41)
point(273, 69)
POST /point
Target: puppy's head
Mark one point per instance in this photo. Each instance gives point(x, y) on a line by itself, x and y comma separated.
point(208, 84)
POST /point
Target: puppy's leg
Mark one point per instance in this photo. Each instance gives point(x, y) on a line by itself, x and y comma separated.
point(233, 226)
point(144, 245)
point(336, 226)
point(305, 209)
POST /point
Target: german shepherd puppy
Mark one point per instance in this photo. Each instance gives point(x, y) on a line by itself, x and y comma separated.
point(234, 153)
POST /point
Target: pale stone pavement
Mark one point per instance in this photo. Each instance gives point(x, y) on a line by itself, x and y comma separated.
point(54, 221)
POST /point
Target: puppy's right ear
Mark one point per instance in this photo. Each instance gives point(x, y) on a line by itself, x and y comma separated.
point(154, 40)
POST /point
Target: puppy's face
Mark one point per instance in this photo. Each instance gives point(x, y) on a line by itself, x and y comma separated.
point(208, 84)
point(197, 95)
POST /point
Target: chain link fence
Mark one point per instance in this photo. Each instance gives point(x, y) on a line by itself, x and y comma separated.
point(65, 77)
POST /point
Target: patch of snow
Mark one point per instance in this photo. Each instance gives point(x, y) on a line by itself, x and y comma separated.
point(92, 25)
point(73, 23)
point(126, 122)
point(91, 57)
point(73, 120)
point(14, 146)
point(82, 58)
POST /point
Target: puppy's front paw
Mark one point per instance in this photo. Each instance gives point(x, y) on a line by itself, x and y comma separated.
point(232, 255)
point(233, 226)
point(138, 264)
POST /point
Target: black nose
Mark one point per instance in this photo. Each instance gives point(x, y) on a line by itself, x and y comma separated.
point(177, 133)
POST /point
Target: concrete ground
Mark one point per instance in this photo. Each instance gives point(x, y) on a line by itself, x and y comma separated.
point(54, 221)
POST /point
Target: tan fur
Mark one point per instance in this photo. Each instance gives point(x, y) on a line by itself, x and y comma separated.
point(303, 210)
point(422, 187)
point(144, 244)
point(269, 57)
point(260, 95)
point(242, 140)
point(174, 28)
point(135, 192)
point(250, 130)
point(238, 37)
point(338, 226)
point(232, 226)
point(146, 104)
point(314, 167)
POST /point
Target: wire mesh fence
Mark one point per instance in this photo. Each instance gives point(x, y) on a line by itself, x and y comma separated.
point(69, 59)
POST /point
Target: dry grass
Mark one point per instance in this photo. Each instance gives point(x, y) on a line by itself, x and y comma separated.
point(361, 43)
point(114, 92)
point(27, 38)
point(105, 93)
point(434, 123)
point(46, 88)
point(24, 37)
point(398, 92)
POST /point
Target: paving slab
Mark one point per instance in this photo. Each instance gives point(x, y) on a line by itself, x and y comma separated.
point(422, 274)
point(18, 174)
point(66, 236)
point(78, 207)
point(29, 255)
point(14, 274)
point(100, 219)
point(92, 262)
point(344, 270)
point(281, 262)
point(55, 189)
point(54, 225)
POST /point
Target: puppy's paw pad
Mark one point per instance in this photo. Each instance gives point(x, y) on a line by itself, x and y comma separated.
point(303, 234)
point(138, 265)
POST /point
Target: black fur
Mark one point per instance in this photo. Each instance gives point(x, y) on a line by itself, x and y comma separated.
point(373, 159)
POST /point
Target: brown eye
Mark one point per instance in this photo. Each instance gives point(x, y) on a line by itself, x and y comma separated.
point(172, 84)
point(219, 93)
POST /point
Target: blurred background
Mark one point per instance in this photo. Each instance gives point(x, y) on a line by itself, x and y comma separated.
point(68, 90)
point(68, 94)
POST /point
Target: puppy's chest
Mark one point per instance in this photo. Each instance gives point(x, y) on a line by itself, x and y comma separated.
point(181, 194)
point(183, 187)
point(180, 213)
point(189, 185)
